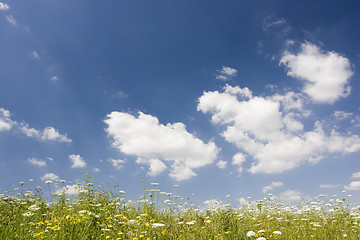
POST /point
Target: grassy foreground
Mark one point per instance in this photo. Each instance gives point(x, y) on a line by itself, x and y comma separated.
point(94, 213)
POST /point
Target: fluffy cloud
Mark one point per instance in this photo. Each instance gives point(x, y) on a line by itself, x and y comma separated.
point(353, 186)
point(37, 162)
point(4, 6)
point(226, 73)
point(49, 176)
point(77, 161)
point(221, 164)
point(47, 134)
point(156, 144)
point(270, 130)
point(273, 185)
point(116, 163)
point(5, 121)
point(325, 74)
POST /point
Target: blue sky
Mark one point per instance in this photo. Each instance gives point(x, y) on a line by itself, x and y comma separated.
point(219, 97)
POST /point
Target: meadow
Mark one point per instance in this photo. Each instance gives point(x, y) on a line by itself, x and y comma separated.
point(95, 213)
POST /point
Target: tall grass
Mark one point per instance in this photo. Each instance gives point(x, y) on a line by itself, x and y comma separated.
point(94, 213)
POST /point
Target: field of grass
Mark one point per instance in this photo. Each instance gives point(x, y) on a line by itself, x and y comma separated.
point(94, 213)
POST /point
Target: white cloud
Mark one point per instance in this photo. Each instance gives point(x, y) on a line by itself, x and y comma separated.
point(35, 55)
point(77, 161)
point(4, 6)
point(146, 138)
point(243, 201)
point(341, 115)
point(50, 159)
point(291, 196)
point(49, 176)
point(156, 166)
point(47, 134)
point(121, 94)
point(11, 19)
point(353, 186)
point(221, 164)
point(356, 175)
point(325, 74)
point(116, 163)
point(39, 163)
point(50, 133)
point(5, 120)
point(270, 129)
point(96, 169)
point(226, 73)
point(54, 78)
point(271, 21)
point(237, 160)
point(69, 190)
point(328, 186)
point(273, 185)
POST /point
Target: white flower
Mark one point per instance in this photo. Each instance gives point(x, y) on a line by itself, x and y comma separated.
point(251, 234)
point(261, 238)
point(154, 184)
point(191, 222)
point(277, 233)
point(48, 181)
point(155, 225)
point(27, 214)
point(261, 231)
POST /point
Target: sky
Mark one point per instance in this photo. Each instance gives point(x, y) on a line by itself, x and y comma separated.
point(239, 98)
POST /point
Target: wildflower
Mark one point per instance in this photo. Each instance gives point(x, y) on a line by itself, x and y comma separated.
point(27, 214)
point(30, 180)
point(155, 225)
point(261, 231)
point(48, 181)
point(277, 233)
point(251, 234)
point(154, 184)
point(261, 238)
point(191, 222)
point(21, 183)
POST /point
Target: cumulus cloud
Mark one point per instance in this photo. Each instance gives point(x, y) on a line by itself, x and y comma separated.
point(270, 129)
point(329, 186)
point(11, 19)
point(116, 163)
point(221, 164)
point(37, 162)
point(5, 120)
point(325, 74)
point(226, 73)
point(77, 161)
point(4, 6)
point(159, 145)
point(273, 185)
point(47, 134)
point(355, 186)
point(49, 176)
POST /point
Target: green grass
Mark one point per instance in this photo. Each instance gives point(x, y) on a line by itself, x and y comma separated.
point(98, 214)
